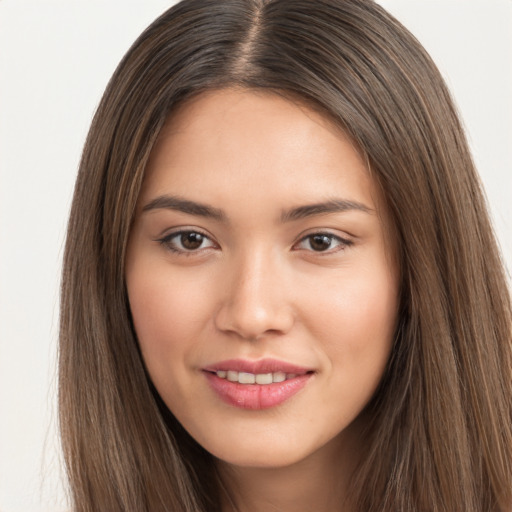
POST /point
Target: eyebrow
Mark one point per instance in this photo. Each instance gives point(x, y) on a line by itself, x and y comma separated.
point(202, 210)
point(331, 206)
point(186, 206)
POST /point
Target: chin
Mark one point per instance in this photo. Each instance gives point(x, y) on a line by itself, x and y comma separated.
point(260, 458)
point(271, 448)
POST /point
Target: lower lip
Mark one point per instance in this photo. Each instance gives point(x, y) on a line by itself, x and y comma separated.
point(256, 396)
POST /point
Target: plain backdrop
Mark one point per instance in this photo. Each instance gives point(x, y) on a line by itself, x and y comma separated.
point(55, 60)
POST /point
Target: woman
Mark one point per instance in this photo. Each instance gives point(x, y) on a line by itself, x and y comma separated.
point(281, 287)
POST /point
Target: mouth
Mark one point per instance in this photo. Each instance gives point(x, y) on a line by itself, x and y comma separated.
point(256, 384)
point(255, 378)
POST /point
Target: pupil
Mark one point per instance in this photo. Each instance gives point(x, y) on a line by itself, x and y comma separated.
point(320, 242)
point(191, 240)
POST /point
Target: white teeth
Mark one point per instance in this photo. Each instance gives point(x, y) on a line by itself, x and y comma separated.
point(251, 378)
point(232, 376)
point(279, 377)
point(264, 378)
point(246, 378)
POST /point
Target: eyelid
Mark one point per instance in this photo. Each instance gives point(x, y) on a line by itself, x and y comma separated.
point(166, 233)
point(165, 240)
point(344, 242)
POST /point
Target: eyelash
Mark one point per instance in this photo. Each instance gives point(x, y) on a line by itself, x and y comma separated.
point(343, 243)
point(167, 242)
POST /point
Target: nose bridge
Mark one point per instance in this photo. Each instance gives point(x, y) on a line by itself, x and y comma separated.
point(256, 299)
point(255, 269)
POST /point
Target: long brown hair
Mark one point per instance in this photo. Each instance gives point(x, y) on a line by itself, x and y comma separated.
point(440, 438)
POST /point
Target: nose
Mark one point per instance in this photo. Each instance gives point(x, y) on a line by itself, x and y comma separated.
point(257, 298)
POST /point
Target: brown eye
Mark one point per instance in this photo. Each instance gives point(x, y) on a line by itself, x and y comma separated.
point(320, 242)
point(323, 242)
point(191, 240)
point(186, 242)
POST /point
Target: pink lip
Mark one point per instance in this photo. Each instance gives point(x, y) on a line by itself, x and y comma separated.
point(256, 396)
point(260, 366)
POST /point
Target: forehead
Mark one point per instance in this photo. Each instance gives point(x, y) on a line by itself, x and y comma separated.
point(249, 105)
point(256, 141)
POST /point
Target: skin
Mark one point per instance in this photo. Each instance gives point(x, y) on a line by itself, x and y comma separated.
point(258, 286)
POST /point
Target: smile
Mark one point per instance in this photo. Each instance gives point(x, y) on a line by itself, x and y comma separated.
point(256, 384)
point(251, 378)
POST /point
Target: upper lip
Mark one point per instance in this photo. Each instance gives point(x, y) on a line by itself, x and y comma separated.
point(256, 367)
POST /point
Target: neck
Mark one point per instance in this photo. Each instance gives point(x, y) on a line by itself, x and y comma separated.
point(319, 482)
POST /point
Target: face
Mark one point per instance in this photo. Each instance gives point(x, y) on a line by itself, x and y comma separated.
point(261, 277)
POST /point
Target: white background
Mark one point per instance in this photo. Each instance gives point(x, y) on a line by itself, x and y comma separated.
point(55, 60)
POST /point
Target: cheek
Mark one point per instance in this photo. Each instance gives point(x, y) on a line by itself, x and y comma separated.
point(168, 312)
point(353, 305)
point(356, 318)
